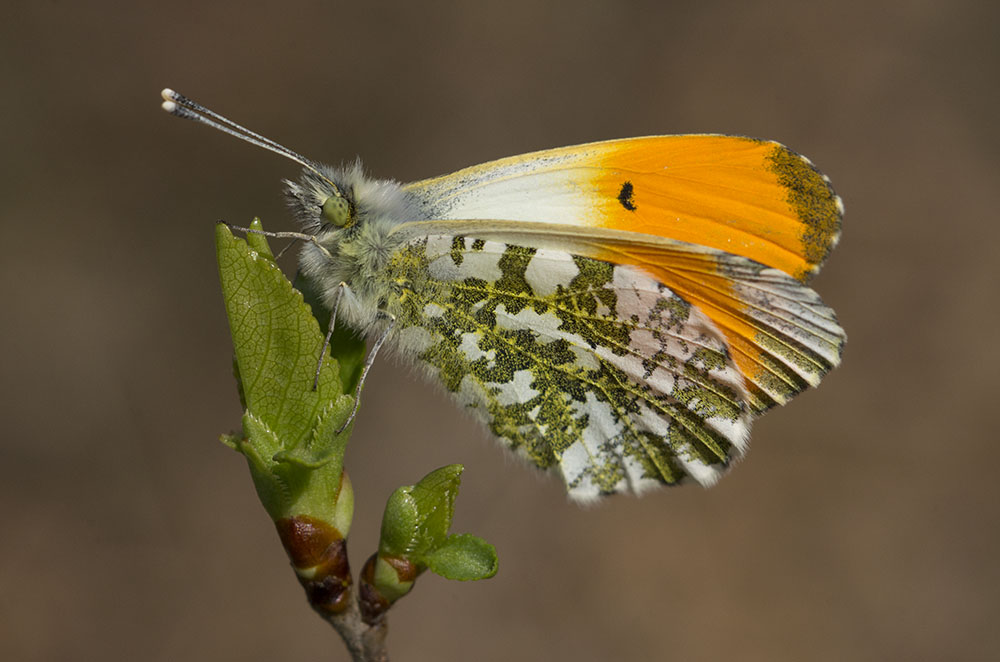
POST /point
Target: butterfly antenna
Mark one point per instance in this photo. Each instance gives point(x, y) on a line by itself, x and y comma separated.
point(179, 105)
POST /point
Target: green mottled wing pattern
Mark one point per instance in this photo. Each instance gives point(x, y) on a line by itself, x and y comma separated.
point(593, 369)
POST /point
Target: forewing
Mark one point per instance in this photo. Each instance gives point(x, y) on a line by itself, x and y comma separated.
point(591, 368)
point(747, 197)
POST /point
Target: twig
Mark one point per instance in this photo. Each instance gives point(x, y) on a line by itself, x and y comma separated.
point(367, 643)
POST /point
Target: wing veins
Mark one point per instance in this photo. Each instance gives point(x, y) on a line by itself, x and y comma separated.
point(753, 322)
point(670, 409)
point(589, 320)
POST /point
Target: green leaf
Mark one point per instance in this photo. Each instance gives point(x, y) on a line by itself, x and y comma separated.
point(325, 443)
point(417, 517)
point(276, 341)
point(292, 438)
point(400, 524)
point(435, 496)
point(464, 557)
point(415, 538)
point(258, 242)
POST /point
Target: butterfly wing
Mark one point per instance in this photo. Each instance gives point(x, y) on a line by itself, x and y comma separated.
point(748, 197)
point(594, 369)
point(635, 305)
point(779, 333)
point(640, 201)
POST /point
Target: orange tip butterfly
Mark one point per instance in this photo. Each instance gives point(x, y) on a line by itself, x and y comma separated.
point(618, 311)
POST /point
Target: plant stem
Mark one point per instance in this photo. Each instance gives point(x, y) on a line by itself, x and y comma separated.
point(367, 643)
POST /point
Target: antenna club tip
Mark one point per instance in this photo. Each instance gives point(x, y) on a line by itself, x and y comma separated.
point(168, 94)
point(169, 106)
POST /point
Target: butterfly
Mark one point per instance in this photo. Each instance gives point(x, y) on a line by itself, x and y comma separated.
point(618, 312)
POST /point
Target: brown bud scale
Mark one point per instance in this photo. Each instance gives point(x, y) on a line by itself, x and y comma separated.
point(405, 569)
point(319, 555)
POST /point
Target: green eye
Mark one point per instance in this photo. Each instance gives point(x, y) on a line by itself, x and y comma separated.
point(337, 210)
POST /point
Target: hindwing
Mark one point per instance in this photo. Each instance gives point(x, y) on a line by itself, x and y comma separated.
point(595, 369)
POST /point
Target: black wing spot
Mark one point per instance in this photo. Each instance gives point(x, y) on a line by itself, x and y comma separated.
point(625, 196)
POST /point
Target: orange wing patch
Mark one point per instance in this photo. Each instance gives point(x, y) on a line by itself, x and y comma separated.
point(781, 335)
point(744, 196)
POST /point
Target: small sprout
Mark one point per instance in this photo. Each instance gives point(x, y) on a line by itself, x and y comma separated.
point(415, 538)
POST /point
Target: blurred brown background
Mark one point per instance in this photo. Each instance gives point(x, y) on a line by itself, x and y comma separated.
point(863, 525)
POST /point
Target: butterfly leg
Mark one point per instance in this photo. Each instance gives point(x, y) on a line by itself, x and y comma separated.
point(285, 249)
point(369, 360)
point(329, 332)
point(300, 236)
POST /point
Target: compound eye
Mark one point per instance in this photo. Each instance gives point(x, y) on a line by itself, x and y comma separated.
point(337, 211)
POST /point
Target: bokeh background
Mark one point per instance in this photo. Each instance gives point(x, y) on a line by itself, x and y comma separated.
point(862, 526)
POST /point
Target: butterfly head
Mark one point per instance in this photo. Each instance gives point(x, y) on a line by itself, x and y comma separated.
point(352, 216)
point(321, 204)
point(340, 204)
